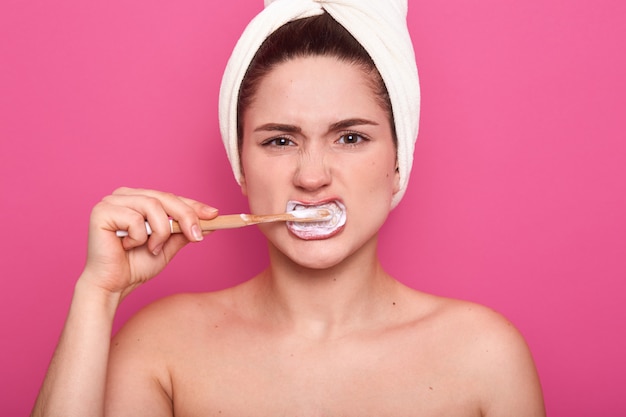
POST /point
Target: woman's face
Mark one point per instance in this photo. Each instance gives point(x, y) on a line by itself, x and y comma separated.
point(315, 135)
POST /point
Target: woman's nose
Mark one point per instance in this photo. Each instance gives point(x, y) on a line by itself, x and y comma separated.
point(313, 171)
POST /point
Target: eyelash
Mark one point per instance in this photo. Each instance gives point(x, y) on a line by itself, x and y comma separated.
point(289, 142)
point(361, 138)
point(273, 142)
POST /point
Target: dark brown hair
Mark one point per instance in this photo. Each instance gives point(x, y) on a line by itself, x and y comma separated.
point(318, 35)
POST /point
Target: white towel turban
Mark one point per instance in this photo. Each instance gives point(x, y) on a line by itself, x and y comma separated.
point(378, 25)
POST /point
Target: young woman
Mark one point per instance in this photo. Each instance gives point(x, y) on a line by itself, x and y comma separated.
point(324, 330)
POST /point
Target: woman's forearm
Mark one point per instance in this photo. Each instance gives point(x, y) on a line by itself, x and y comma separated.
point(75, 384)
point(76, 379)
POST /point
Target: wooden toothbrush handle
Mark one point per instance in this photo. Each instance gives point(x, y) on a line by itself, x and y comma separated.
point(227, 221)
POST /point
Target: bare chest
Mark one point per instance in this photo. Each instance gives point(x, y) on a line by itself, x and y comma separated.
point(343, 378)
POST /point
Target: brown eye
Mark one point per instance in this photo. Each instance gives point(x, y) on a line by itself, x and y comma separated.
point(280, 141)
point(351, 139)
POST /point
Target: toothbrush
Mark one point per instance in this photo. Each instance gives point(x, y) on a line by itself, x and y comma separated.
point(232, 221)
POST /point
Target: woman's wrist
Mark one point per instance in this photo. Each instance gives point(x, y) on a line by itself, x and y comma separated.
point(89, 295)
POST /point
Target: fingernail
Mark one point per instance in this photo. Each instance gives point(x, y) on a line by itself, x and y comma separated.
point(197, 234)
point(157, 250)
point(209, 211)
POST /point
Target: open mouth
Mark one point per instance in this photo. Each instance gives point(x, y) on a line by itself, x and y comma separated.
point(321, 229)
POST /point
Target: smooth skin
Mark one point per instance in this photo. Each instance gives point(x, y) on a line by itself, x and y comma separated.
point(324, 331)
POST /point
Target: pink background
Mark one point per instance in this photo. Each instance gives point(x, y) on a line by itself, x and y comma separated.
point(517, 198)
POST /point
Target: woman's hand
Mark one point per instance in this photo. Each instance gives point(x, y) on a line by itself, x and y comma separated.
point(118, 265)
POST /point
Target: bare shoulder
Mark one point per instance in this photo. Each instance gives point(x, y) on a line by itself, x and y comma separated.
point(477, 323)
point(461, 319)
point(487, 349)
point(166, 320)
point(147, 348)
point(170, 317)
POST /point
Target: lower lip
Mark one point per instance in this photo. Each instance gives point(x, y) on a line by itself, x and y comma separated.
point(314, 235)
point(320, 230)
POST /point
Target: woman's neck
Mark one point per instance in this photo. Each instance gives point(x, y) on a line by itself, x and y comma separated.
point(326, 303)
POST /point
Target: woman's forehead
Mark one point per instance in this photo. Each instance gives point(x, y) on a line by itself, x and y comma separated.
point(317, 83)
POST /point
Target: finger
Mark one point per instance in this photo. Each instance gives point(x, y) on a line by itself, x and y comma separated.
point(203, 211)
point(186, 212)
point(142, 208)
point(175, 243)
point(134, 223)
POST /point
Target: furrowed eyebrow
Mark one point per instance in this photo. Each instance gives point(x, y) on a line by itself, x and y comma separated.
point(340, 125)
point(345, 124)
point(278, 127)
